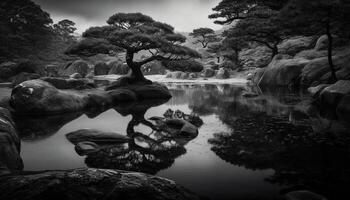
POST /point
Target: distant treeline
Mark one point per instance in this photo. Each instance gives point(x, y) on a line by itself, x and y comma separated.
point(269, 22)
point(28, 32)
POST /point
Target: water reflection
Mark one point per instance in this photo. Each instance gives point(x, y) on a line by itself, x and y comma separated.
point(278, 130)
point(147, 152)
point(31, 128)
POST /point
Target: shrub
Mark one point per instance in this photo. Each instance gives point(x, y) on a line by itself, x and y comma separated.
point(183, 65)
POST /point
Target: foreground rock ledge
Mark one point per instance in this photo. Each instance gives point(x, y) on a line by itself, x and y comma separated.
point(89, 183)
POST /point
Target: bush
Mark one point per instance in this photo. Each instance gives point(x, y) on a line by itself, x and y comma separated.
point(183, 65)
point(228, 65)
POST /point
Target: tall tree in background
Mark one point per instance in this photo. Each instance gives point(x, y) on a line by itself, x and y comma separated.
point(204, 36)
point(135, 32)
point(319, 17)
point(24, 27)
point(255, 21)
point(64, 29)
point(228, 11)
point(262, 27)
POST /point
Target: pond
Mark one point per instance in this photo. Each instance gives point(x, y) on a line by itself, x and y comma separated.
point(247, 148)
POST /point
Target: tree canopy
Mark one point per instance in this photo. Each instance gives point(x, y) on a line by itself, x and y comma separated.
point(65, 28)
point(23, 27)
point(135, 32)
point(255, 21)
point(204, 36)
point(318, 17)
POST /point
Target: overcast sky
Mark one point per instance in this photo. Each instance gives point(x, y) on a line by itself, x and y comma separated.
point(184, 15)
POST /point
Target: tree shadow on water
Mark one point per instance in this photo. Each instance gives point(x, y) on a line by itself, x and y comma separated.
point(144, 152)
point(300, 158)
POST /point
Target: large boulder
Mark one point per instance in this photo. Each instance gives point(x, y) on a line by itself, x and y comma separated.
point(315, 91)
point(311, 54)
point(70, 68)
point(9, 144)
point(332, 94)
point(317, 71)
point(118, 68)
point(223, 73)
point(89, 183)
point(283, 72)
point(101, 68)
point(37, 97)
point(40, 97)
point(322, 42)
point(294, 45)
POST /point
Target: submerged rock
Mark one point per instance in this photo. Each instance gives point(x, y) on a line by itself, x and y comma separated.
point(283, 72)
point(85, 148)
point(90, 184)
point(96, 136)
point(249, 94)
point(185, 128)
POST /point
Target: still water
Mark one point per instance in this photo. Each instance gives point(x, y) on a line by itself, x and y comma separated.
point(247, 148)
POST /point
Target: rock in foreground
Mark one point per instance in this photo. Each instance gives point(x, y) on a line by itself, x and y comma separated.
point(9, 144)
point(40, 97)
point(90, 184)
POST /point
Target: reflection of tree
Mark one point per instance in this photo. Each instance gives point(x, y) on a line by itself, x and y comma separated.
point(299, 158)
point(146, 152)
point(39, 127)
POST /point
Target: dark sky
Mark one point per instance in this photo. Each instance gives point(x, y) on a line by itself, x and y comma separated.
point(184, 15)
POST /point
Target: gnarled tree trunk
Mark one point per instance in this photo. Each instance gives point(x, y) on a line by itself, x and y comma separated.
point(135, 74)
